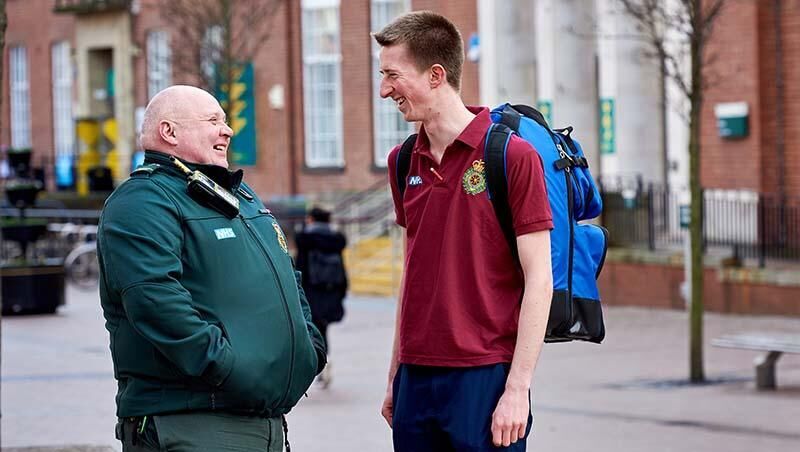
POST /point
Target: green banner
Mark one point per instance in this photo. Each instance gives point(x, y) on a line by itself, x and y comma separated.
point(241, 115)
point(545, 107)
point(607, 132)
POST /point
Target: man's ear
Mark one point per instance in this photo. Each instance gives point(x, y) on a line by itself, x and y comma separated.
point(166, 129)
point(438, 76)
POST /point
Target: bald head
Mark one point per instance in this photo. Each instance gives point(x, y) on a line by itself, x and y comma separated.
point(177, 101)
point(188, 123)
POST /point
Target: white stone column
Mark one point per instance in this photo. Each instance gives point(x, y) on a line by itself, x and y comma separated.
point(677, 112)
point(566, 69)
point(507, 56)
point(631, 138)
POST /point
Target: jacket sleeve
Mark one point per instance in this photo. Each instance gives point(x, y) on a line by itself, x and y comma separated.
point(141, 240)
point(316, 337)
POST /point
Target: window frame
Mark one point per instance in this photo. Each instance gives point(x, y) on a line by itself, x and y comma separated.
point(322, 89)
point(19, 97)
point(387, 121)
point(159, 61)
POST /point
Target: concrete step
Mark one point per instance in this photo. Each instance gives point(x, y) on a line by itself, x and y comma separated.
point(384, 290)
point(376, 278)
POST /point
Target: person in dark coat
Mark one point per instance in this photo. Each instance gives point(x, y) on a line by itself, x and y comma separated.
point(319, 259)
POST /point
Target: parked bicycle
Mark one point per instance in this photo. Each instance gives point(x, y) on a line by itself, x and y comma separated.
point(80, 265)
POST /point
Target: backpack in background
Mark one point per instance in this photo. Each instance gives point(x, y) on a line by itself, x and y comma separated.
point(577, 250)
point(326, 270)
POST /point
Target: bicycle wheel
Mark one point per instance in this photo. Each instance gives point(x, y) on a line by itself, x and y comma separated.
point(81, 267)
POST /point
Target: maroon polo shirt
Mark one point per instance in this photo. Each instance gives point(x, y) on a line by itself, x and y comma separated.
point(462, 292)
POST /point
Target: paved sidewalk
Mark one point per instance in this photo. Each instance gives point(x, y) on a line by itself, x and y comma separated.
point(58, 389)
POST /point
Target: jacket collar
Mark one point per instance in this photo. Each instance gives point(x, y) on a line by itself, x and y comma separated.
point(230, 180)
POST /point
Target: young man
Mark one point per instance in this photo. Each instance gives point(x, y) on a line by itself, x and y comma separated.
point(211, 336)
point(471, 319)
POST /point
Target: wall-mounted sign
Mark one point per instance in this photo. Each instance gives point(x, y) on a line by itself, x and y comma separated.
point(732, 119)
point(607, 133)
point(241, 115)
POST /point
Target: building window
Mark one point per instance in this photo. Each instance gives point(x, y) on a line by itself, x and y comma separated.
point(322, 84)
point(63, 122)
point(211, 54)
point(20, 97)
point(390, 127)
point(159, 62)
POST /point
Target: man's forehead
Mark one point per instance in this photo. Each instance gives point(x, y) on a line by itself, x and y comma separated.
point(393, 57)
point(206, 107)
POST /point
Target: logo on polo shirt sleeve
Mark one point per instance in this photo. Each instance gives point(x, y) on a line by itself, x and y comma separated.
point(474, 180)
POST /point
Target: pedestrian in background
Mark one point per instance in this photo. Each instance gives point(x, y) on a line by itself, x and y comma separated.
point(211, 340)
point(319, 259)
point(471, 318)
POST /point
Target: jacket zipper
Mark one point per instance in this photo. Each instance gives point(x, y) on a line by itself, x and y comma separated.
point(285, 307)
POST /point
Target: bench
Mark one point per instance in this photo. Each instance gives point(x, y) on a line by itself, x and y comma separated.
point(774, 344)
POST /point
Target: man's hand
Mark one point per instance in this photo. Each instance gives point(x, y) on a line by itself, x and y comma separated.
point(386, 409)
point(510, 418)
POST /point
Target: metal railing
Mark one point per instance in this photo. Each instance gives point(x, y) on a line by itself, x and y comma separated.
point(749, 224)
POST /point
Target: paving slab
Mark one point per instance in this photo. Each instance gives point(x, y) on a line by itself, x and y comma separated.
point(625, 395)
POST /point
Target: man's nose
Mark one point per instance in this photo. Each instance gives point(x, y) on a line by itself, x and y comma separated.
point(226, 131)
point(386, 89)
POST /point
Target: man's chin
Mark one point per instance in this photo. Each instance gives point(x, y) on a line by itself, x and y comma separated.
point(220, 160)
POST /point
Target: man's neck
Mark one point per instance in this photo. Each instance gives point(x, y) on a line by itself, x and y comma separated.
point(446, 123)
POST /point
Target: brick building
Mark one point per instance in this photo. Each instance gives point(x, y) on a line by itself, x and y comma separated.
point(751, 40)
point(51, 46)
point(320, 126)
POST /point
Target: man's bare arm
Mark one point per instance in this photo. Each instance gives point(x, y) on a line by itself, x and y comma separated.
point(386, 408)
point(511, 415)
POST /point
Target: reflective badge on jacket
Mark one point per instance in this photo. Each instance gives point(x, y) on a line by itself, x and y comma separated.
point(224, 233)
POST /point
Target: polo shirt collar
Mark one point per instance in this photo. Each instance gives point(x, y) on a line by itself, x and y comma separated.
point(472, 135)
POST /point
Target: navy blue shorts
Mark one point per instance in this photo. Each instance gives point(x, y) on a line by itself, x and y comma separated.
point(441, 409)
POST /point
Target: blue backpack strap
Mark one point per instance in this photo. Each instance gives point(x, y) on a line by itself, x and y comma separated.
point(494, 154)
point(404, 162)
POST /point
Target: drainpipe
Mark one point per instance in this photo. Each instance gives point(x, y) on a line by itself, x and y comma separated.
point(290, 82)
point(780, 120)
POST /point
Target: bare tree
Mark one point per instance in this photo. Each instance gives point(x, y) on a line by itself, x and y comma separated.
point(213, 37)
point(678, 33)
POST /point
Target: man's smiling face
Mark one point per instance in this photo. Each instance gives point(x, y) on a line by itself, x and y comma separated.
point(406, 85)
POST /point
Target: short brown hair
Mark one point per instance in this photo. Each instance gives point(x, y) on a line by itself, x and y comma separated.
point(430, 39)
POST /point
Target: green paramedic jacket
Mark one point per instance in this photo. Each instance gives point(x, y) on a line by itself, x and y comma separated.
point(204, 312)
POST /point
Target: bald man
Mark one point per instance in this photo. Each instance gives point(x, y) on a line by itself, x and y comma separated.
point(210, 331)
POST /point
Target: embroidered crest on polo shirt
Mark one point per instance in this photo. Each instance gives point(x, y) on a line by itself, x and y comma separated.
point(281, 238)
point(474, 180)
point(413, 181)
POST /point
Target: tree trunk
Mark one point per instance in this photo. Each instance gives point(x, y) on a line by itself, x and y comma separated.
point(696, 372)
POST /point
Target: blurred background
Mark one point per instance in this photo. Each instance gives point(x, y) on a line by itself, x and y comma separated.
point(299, 82)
